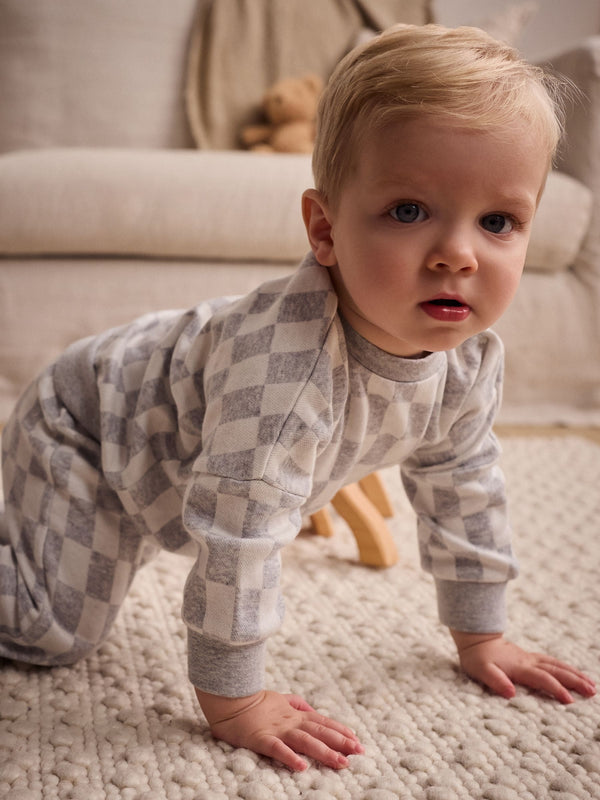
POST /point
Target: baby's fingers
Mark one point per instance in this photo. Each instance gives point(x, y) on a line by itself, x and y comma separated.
point(570, 677)
point(495, 679)
point(297, 702)
point(564, 677)
point(273, 747)
point(304, 742)
point(334, 735)
point(543, 681)
point(296, 741)
point(333, 724)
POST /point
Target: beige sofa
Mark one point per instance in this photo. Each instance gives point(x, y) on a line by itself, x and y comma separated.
point(108, 209)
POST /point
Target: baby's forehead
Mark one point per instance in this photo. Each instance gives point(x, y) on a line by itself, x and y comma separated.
point(508, 129)
point(424, 155)
point(410, 131)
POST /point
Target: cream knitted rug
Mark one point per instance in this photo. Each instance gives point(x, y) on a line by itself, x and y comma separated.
point(362, 645)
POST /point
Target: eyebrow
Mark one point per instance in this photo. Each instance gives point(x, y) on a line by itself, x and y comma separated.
point(409, 181)
point(522, 202)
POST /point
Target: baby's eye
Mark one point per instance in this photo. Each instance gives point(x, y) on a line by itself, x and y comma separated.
point(497, 223)
point(407, 212)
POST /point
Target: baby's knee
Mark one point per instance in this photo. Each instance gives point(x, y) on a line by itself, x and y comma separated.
point(57, 647)
point(48, 629)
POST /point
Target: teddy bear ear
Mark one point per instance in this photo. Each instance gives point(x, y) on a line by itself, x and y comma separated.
point(314, 82)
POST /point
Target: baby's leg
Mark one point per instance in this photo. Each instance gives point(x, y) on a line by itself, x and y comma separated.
point(68, 553)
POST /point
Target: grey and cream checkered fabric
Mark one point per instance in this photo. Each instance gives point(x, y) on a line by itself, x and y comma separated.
point(215, 430)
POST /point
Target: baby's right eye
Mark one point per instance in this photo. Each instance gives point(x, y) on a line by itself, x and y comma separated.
point(407, 212)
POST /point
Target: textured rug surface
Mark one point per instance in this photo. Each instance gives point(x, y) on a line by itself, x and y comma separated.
point(362, 645)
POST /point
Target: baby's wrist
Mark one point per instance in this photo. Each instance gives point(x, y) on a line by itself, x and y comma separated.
point(217, 708)
point(464, 640)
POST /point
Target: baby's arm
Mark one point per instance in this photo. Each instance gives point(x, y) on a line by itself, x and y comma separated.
point(279, 726)
point(496, 662)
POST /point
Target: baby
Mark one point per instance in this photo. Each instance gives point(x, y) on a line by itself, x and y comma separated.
point(214, 431)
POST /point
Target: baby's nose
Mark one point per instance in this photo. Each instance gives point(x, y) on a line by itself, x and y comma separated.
point(454, 252)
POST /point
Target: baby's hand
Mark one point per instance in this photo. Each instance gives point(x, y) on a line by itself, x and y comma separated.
point(495, 662)
point(279, 726)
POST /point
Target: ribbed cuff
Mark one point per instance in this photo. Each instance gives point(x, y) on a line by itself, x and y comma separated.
point(224, 670)
point(472, 607)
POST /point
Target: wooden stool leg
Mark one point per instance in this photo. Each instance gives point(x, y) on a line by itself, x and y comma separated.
point(322, 523)
point(376, 546)
point(373, 487)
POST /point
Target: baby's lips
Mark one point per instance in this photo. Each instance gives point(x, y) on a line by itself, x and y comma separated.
point(448, 298)
point(446, 309)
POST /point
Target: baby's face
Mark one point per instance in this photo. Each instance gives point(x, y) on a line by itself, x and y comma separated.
point(429, 237)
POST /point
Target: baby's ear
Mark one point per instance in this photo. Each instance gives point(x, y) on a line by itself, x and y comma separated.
point(317, 219)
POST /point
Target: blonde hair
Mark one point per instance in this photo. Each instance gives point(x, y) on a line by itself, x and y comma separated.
point(460, 75)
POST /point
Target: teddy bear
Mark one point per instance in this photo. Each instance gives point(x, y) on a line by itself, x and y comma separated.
point(290, 107)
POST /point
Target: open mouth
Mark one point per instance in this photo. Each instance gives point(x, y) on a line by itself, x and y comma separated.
point(447, 302)
point(446, 309)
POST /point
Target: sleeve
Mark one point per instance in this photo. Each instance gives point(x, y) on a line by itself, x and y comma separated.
point(457, 490)
point(267, 395)
point(232, 598)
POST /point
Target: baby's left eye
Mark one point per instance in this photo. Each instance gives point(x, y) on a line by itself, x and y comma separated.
point(497, 223)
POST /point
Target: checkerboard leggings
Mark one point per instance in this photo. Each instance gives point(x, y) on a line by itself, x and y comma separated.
point(68, 553)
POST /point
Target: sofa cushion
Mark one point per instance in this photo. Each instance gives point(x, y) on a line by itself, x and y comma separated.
point(560, 225)
point(580, 155)
point(99, 72)
point(204, 205)
point(177, 203)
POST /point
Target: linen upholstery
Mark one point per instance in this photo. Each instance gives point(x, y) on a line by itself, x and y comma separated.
point(49, 208)
point(104, 73)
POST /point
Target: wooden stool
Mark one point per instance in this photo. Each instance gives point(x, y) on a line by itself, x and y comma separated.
point(363, 505)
